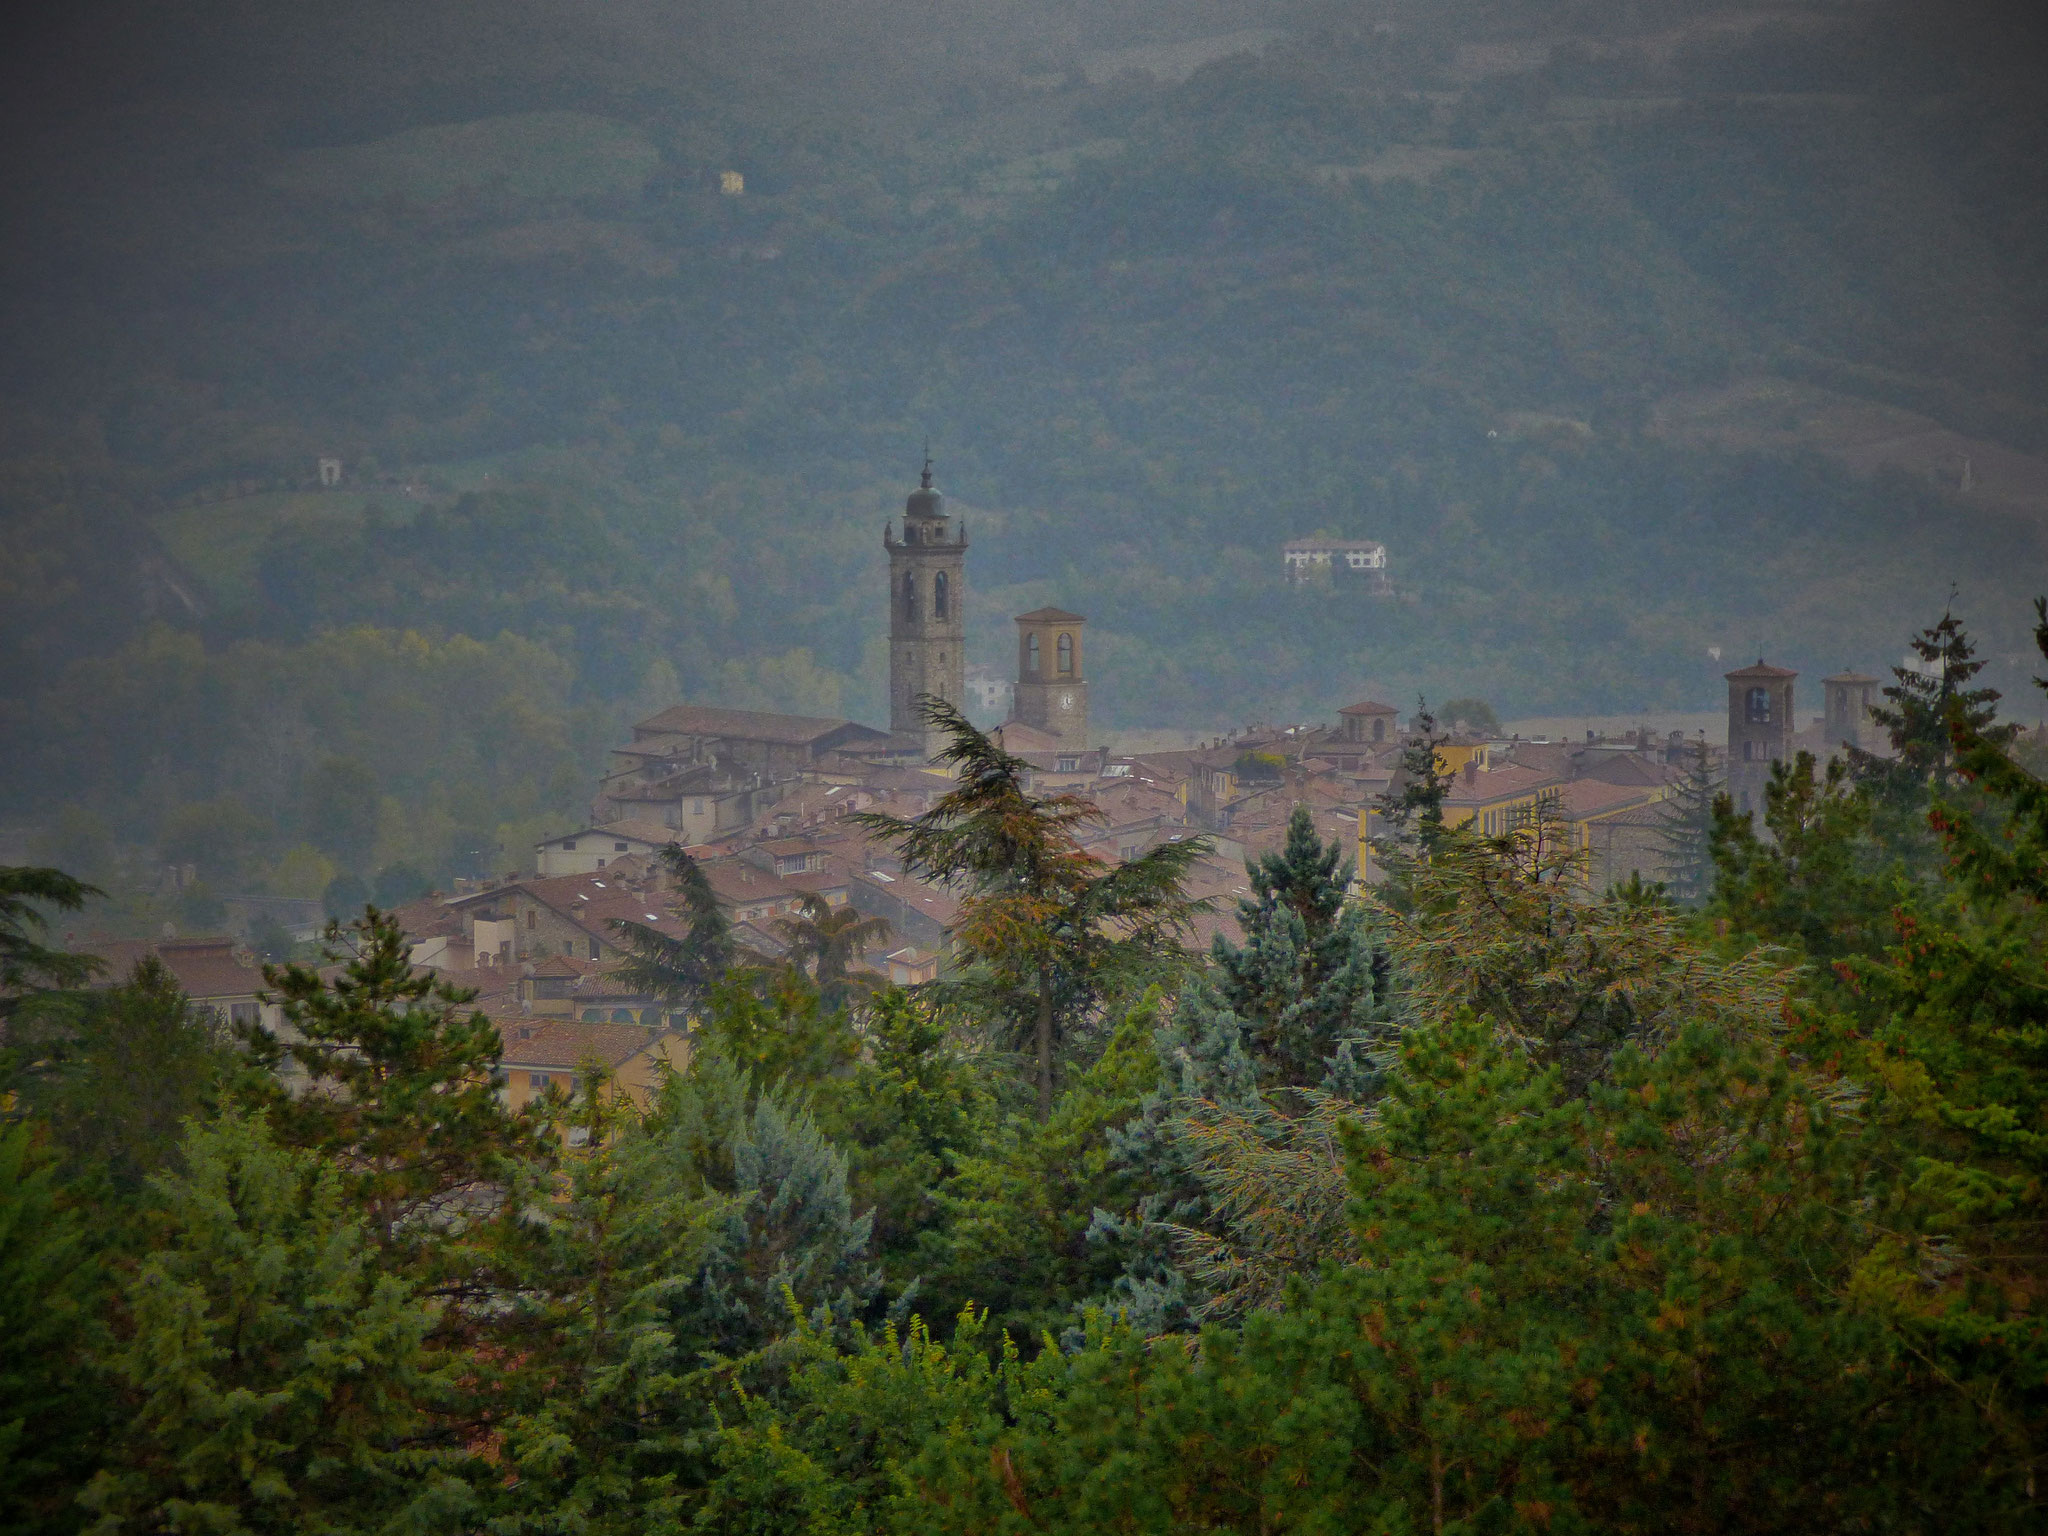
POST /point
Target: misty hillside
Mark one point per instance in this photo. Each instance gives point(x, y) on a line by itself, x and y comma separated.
point(1632, 329)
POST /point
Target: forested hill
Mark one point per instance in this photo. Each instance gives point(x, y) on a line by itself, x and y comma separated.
point(1632, 329)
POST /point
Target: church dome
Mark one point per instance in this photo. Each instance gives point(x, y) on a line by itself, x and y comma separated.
point(925, 502)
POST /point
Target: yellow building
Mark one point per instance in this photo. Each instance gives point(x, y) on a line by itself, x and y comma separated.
point(1494, 801)
point(1606, 822)
point(543, 1054)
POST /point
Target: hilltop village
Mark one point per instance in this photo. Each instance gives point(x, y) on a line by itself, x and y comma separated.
point(763, 804)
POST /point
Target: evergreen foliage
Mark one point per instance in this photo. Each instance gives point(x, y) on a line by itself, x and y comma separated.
point(26, 963)
point(1410, 811)
point(1051, 927)
point(397, 1085)
point(53, 1413)
point(273, 1377)
point(1267, 1052)
point(1500, 1206)
point(774, 1026)
point(788, 1234)
point(117, 1073)
point(1307, 977)
point(827, 944)
point(599, 1398)
point(1017, 1214)
point(1685, 836)
point(1815, 880)
point(909, 1114)
point(681, 972)
point(1926, 703)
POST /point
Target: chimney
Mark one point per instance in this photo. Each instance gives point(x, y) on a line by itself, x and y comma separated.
point(1471, 770)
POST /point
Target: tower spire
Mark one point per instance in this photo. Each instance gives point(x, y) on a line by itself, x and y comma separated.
point(924, 482)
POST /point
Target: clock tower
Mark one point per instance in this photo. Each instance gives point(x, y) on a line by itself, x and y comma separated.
point(1052, 690)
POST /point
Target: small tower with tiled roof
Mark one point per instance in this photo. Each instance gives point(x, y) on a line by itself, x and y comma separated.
point(1369, 723)
point(1052, 688)
point(1849, 698)
point(1760, 728)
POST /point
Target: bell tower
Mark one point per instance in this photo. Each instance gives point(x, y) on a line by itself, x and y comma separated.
point(1759, 731)
point(1052, 688)
point(927, 611)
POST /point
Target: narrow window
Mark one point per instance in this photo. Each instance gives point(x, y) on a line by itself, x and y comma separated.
point(1379, 730)
point(1066, 653)
point(532, 919)
point(1031, 654)
point(939, 595)
point(910, 596)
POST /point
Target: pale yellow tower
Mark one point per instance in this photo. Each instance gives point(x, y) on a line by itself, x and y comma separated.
point(1052, 688)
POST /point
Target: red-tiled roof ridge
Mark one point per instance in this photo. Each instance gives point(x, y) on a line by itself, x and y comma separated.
point(567, 1043)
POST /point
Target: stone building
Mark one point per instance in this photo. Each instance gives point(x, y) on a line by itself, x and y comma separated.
point(927, 613)
point(1760, 730)
point(1052, 685)
point(1849, 698)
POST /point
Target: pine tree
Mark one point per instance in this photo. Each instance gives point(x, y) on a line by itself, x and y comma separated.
point(26, 963)
point(1262, 1052)
point(595, 1392)
point(1307, 976)
point(1958, 1058)
point(273, 1378)
point(403, 1084)
point(118, 1072)
point(1411, 809)
point(53, 1408)
point(913, 1108)
point(1049, 925)
point(1926, 702)
point(1016, 1216)
point(681, 972)
point(1685, 835)
point(788, 1232)
point(1814, 880)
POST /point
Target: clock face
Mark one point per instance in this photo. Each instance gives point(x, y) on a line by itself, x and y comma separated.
point(1066, 701)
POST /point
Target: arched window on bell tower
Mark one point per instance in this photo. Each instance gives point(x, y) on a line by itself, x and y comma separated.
point(1066, 655)
point(1760, 706)
point(1031, 654)
point(910, 596)
point(939, 595)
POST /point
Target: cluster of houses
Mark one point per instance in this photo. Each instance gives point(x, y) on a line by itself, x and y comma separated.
point(765, 805)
